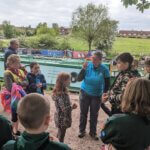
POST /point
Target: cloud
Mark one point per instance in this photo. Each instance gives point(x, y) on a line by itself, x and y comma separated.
point(31, 12)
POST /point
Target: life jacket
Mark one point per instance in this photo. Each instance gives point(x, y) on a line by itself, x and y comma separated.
point(6, 96)
point(16, 78)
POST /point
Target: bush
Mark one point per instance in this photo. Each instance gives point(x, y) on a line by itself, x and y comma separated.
point(47, 41)
point(65, 45)
point(3, 44)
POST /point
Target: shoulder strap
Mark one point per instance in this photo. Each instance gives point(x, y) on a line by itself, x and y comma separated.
point(44, 145)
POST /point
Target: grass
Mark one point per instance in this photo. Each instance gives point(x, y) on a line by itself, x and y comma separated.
point(75, 43)
point(135, 46)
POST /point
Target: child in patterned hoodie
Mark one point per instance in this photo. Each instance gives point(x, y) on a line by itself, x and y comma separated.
point(124, 65)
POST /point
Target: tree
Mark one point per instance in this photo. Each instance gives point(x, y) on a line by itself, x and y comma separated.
point(56, 28)
point(108, 32)
point(8, 29)
point(29, 31)
point(87, 22)
point(42, 28)
point(141, 5)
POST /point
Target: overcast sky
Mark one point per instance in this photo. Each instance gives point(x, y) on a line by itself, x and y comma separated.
point(31, 12)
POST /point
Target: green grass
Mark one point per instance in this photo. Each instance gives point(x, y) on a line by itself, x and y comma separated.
point(135, 46)
point(132, 45)
point(75, 43)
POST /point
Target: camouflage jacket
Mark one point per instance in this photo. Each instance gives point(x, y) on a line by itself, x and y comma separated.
point(118, 87)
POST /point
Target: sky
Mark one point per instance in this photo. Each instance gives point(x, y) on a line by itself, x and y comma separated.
point(31, 12)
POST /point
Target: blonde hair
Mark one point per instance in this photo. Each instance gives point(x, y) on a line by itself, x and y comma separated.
point(136, 98)
point(32, 109)
point(12, 59)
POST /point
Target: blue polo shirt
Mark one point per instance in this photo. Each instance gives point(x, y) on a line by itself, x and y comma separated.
point(94, 81)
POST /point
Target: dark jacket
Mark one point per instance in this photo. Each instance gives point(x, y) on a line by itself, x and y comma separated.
point(34, 142)
point(127, 132)
point(32, 79)
point(5, 131)
point(8, 52)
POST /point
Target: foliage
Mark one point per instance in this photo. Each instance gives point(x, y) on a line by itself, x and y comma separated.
point(4, 44)
point(47, 41)
point(108, 32)
point(141, 5)
point(44, 29)
point(65, 44)
point(56, 28)
point(8, 30)
point(87, 22)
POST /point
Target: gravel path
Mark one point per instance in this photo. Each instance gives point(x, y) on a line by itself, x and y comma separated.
point(71, 137)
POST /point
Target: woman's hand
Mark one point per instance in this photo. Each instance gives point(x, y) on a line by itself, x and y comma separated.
point(85, 65)
point(104, 97)
point(74, 106)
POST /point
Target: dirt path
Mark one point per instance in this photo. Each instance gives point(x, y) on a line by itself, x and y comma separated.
point(71, 137)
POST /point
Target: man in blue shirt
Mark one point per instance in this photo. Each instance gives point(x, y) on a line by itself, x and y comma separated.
point(96, 80)
point(14, 45)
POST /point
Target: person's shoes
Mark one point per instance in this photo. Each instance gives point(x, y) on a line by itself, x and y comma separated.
point(81, 135)
point(94, 137)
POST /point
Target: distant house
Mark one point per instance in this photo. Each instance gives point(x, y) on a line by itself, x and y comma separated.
point(133, 33)
point(64, 31)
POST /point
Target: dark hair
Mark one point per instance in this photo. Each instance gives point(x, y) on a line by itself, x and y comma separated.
point(98, 54)
point(147, 62)
point(125, 58)
point(33, 64)
point(32, 109)
point(136, 97)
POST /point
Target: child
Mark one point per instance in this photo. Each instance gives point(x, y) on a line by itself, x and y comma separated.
point(135, 68)
point(5, 131)
point(124, 65)
point(60, 95)
point(37, 82)
point(131, 130)
point(34, 115)
point(15, 81)
point(147, 68)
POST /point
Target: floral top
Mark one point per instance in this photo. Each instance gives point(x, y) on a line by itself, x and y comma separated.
point(62, 115)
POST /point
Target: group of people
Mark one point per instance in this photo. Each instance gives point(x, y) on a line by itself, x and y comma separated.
point(128, 123)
